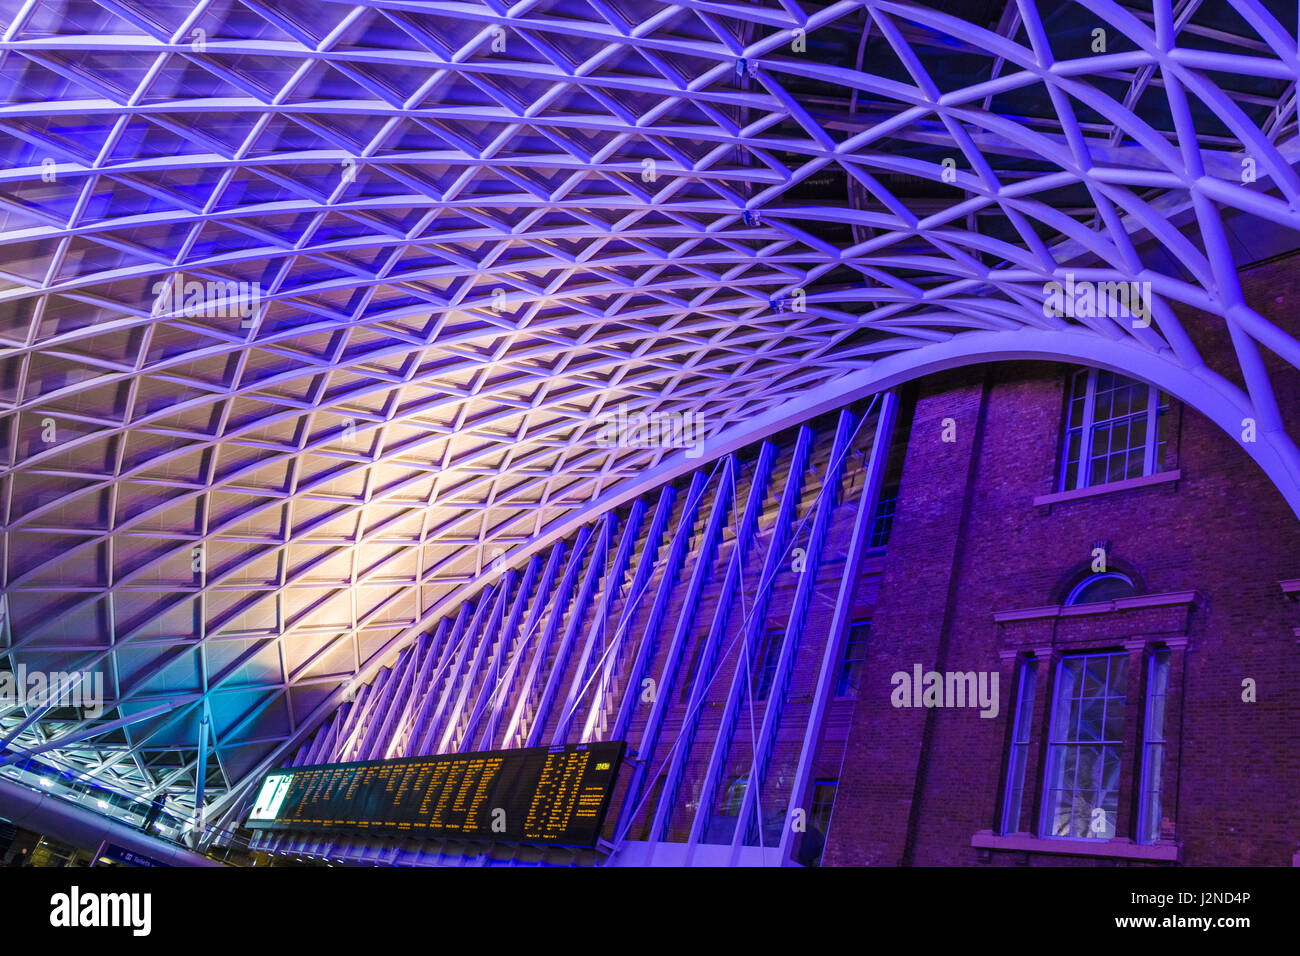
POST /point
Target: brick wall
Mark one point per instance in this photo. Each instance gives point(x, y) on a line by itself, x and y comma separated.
point(969, 541)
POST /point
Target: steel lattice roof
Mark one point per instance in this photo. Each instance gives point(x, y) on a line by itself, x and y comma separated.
point(469, 232)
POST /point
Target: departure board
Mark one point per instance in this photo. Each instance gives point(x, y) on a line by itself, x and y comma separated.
point(551, 795)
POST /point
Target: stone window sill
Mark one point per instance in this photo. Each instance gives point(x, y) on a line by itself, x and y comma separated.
point(1112, 487)
point(1115, 849)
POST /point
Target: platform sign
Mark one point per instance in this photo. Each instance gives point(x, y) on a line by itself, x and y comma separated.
point(125, 857)
point(551, 795)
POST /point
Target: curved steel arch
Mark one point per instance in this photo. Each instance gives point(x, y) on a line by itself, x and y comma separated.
point(477, 230)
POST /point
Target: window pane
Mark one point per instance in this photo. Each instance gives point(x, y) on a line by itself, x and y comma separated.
point(1164, 431)
point(1097, 472)
point(1137, 432)
point(1080, 386)
point(1153, 755)
point(770, 657)
point(1024, 716)
point(1101, 587)
point(882, 522)
point(1095, 670)
point(1071, 478)
point(819, 821)
point(851, 661)
point(1118, 675)
point(1092, 715)
point(1083, 765)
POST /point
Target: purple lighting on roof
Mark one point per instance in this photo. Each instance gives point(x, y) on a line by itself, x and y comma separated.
point(419, 252)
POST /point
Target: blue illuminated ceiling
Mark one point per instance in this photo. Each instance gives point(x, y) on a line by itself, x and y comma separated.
point(446, 241)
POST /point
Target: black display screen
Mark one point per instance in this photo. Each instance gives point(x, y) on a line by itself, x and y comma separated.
point(552, 795)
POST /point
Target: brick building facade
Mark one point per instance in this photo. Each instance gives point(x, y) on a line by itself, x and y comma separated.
point(982, 553)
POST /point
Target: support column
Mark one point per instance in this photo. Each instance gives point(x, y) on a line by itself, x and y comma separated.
point(646, 748)
point(543, 647)
point(200, 772)
point(481, 647)
point(492, 680)
point(800, 790)
point(595, 568)
point(754, 627)
point(445, 680)
point(501, 695)
point(704, 669)
point(827, 497)
point(613, 584)
point(594, 726)
point(667, 582)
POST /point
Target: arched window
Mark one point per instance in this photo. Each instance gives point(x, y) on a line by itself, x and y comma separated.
point(1101, 587)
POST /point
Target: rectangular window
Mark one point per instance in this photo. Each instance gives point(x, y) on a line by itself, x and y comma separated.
point(855, 652)
point(819, 822)
point(1113, 430)
point(687, 676)
point(721, 824)
point(886, 507)
point(647, 812)
point(882, 521)
point(1024, 719)
point(735, 796)
point(822, 802)
point(1084, 745)
point(1153, 747)
point(767, 663)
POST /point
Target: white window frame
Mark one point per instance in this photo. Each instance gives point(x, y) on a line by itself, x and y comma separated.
point(1087, 425)
point(1047, 807)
